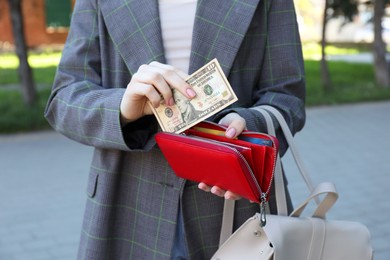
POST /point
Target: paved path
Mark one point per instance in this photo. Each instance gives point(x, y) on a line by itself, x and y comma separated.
point(350, 146)
point(43, 178)
point(42, 183)
point(366, 57)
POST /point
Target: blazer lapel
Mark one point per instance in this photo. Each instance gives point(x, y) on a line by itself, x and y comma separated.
point(219, 30)
point(134, 27)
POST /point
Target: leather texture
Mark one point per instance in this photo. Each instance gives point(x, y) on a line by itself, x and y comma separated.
point(134, 195)
point(294, 237)
point(316, 238)
point(248, 242)
point(243, 167)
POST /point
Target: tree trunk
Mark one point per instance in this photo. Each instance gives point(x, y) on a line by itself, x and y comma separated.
point(325, 77)
point(25, 73)
point(381, 66)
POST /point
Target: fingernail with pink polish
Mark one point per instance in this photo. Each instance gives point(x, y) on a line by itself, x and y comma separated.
point(231, 132)
point(171, 102)
point(190, 92)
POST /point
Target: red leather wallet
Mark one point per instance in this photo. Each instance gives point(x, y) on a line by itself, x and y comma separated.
point(244, 165)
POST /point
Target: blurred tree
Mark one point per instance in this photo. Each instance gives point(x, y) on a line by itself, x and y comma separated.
point(332, 9)
point(381, 66)
point(25, 73)
point(325, 77)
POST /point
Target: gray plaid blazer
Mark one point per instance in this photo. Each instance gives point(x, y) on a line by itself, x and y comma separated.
point(133, 195)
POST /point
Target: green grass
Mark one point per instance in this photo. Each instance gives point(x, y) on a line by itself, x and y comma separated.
point(313, 50)
point(36, 60)
point(43, 75)
point(352, 82)
point(44, 67)
point(16, 117)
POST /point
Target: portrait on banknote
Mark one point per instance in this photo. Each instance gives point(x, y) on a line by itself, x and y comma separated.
point(213, 93)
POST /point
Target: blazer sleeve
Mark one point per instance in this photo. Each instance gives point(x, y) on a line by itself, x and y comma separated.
point(281, 81)
point(79, 107)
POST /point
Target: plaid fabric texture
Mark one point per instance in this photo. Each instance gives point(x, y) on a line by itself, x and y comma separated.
point(133, 194)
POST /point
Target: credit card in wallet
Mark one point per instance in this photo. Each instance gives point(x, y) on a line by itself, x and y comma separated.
point(238, 147)
point(253, 140)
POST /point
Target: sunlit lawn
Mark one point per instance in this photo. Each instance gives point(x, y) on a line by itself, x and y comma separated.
point(352, 82)
point(43, 64)
point(36, 60)
point(15, 116)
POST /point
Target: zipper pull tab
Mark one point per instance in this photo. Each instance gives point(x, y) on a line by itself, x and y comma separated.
point(263, 219)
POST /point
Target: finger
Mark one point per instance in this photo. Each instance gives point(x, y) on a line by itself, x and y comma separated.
point(147, 90)
point(152, 76)
point(135, 101)
point(229, 118)
point(236, 125)
point(203, 186)
point(232, 196)
point(169, 67)
point(175, 78)
point(218, 191)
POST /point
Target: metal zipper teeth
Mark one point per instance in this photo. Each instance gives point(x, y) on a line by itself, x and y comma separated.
point(275, 158)
point(239, 154)
point(273, 170)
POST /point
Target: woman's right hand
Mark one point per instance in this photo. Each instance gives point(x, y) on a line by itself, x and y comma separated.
point(152, 83)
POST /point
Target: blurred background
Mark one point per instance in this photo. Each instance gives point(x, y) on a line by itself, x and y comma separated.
point(346, 47)
point(345, 44)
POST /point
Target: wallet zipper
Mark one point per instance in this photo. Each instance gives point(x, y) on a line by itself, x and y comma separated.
point(264, 195)
point(240, 155)
point(247, 166)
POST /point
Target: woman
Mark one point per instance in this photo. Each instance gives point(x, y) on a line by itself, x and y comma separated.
point(122, 54)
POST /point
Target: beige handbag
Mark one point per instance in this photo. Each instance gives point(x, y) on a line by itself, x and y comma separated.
point(293, 237)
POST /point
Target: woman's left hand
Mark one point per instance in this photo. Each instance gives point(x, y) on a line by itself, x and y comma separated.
point(235, 125)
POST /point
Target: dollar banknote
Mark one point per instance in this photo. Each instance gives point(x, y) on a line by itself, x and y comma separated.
point(213, 93)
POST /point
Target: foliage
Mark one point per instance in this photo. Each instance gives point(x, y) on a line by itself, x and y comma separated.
point(353, 82)
point(17, 117)
point(25, 73)
point(345, 8)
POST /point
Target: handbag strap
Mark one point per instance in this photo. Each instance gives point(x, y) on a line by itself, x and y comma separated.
point(331, 196)
point(228, 209)
point(227, 221)
point(228, 214)
point(291, 144)
point(280, 194)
